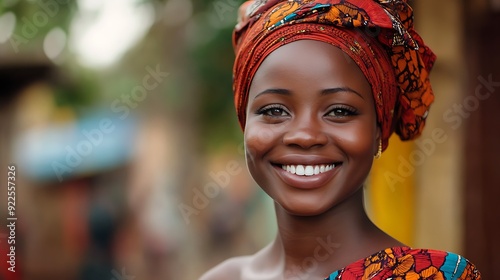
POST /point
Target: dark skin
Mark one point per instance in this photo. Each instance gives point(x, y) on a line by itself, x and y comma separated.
point(310, 105)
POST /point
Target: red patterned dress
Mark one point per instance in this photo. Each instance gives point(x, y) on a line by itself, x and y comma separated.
point(404, 263)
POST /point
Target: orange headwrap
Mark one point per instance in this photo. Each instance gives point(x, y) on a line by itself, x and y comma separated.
point(377, 34)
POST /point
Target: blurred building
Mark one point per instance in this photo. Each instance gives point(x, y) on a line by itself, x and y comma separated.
point(446, 183)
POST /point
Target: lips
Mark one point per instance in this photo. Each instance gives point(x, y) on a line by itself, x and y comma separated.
point(306, 172)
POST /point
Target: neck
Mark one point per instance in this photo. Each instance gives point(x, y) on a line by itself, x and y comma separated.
point(315, 246)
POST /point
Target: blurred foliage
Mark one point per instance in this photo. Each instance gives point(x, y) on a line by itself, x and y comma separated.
point(215, 60)
point(36, 19)
point(77, 89)
point(201, 69)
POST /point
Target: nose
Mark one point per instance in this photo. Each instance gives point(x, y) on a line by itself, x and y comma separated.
point(305, 132)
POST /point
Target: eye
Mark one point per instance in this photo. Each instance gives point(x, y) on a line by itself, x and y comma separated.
point(342, 111)
point(274, 110)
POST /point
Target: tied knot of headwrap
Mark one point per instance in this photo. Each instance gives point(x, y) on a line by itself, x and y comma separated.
point(377, 34)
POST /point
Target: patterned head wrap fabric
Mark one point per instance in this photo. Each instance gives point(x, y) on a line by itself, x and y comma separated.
point(377, 34)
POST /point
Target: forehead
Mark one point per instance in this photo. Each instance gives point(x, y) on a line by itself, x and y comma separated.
point(309, 63)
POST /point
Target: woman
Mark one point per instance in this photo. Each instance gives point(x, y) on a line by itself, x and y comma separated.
point(319, 88)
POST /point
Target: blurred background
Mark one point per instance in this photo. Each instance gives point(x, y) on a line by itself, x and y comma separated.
point(118, 116)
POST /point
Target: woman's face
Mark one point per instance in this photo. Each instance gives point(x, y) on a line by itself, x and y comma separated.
point(311, 130)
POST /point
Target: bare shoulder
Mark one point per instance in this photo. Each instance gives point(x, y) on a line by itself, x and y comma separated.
point(230, 269)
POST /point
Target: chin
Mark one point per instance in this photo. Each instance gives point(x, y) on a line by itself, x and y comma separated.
point(304, 208)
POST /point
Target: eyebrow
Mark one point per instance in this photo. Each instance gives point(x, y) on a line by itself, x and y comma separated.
point(281, 91)
point(340, 89)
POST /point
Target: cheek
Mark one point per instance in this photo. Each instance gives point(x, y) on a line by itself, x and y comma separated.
point(258, 140)
point(358, 140)
point(358, 144)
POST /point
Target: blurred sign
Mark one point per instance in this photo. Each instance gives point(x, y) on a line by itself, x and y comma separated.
point(88, 146)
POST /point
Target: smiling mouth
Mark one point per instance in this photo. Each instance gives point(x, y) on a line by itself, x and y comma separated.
point(308, 170)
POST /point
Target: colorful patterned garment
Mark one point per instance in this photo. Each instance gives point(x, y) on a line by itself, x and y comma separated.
point(404, 263)
point(378, 35)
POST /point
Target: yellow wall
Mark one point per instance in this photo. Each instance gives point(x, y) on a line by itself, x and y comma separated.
point(391, 192)
point(424, 209)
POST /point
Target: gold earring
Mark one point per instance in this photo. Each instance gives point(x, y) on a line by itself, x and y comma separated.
point(379, 152)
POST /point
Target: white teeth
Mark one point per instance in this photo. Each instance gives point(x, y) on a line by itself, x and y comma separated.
point(299, 170)
point(307, 170)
